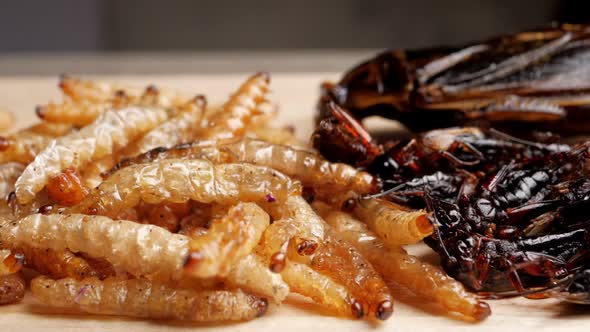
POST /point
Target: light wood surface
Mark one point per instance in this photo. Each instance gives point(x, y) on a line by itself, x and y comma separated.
point(296, 94)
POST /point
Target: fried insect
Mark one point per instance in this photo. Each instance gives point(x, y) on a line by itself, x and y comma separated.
point(87, 100)
point(229, 239)
point(177, 181)
point(12, 288)
point(25, 144)
point(537, 78)
point(181, 128)
point(306, 166)
point(142, 250)
point(143, 298)
point(109, 133)
point(344, 264)
point(394, 224)
point(252, 274)
point(63, 264)
point(9, 173)
point(232, 119)
point(421, 278)
point(321, 289)
point(66, 188)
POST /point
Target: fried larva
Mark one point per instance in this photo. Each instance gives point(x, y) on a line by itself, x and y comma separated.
point(109, 133)
point(177, 181)
point(66, 188)
point(12, 288)
point(9, 172)
point(142, 250)
point(23, 145)
point(90, 91)
point(252, 274)
point(321, 289)
point(181, 128)
point(393, 223)
point(233, 117)
point(229, 239)
point(143, 298)
point(63, 264)
point(79, 113)
point(86, 100)
point(344, 264)
point(421, 278)
point(308, 167)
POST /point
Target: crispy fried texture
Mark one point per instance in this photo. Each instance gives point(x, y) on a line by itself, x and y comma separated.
point(141, 250)
point(343, 263)
point(229, 239)
point(178, 181)
point(109, 133)
point(394, 224)
point(86, 100)
point(321, 289)
point(64, 264)
point(179, 129)
point(143, 298)
point(66, 188)
point(252, 274)
point(23, 145)
point(423, 279)
point(308, 167)
point(232, 119)
point(12, 288)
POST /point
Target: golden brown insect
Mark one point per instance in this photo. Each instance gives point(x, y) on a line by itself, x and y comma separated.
point(109, 133)
point(229, 239)
point(87, 100)
point(66, 188)
point(421, 278)
point(63, 264)
point(177, 181)
point(308, 167)
point(233, 117)
point(143, 298)
point(343, 263)
point(251, 273)
point(321, 289)
point(181, 128)
point(142, 250)
point(395, 224)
